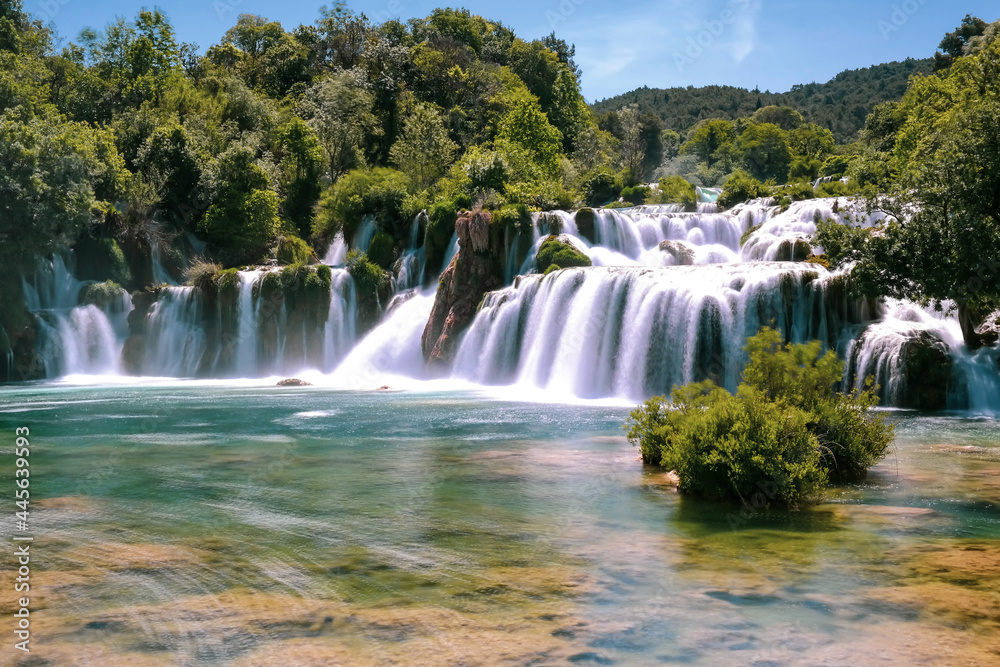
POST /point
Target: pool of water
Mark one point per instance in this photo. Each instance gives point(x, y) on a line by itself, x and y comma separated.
point(201, 524)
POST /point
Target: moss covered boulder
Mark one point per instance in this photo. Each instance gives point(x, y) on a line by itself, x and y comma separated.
point(793, 250)
point(682, 253)
point(559, 251)
point(927, 367)
point(586, 221)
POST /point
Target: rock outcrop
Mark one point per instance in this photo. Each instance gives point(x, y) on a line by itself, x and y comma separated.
point(682, 253)
point(927, 367)
point(474, 271)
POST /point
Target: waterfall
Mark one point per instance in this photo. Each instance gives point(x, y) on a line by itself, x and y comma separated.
point(246, 334)
point(75, 337)
point(390, 350)
point(262, 329)
point(409, 269)
point(634, 332)
point(336, 254)
point(365, 233)
point(451, 252)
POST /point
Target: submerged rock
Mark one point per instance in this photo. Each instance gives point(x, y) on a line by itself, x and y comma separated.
point(585, 220)
point(294, 382)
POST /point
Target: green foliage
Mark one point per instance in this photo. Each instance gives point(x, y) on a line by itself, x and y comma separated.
point(636, 195)
point(243, 219)
point(675, 190)
point(840, 104)
point(785, 433)
point(380, 192)
point(601, 187)
point(707, 138)
point(101, 295)
point(741, 187)
point(55, 174)
point(764, 150)
point(561, 254)
point(937, 156)
point(382, 250)
point(293, 250)
point(424, 150)
point(372, 284)
point(340, 113)
point(301, 169)
point(203, 275)
point(526, 126)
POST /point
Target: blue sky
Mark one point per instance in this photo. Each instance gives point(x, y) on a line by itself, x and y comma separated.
point(661, 43)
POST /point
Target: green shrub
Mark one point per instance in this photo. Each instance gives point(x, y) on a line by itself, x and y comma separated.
point(675, 190)
point(836, 166)
point(785, 433)
point(101, 295)
point(559, 253)
point(203, 275)
point(798, 191)
point(381, 192)
point(601, 187)
point(371, 283)
point(293, 250)
point(741, 187)
point(636, 195)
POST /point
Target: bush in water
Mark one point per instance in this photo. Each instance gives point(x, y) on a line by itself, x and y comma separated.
point(786, 429)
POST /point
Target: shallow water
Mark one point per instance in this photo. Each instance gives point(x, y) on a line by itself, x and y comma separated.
point(194, 524)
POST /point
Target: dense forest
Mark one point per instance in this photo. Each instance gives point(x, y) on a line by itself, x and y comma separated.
point(839, 105)
point(146, 154)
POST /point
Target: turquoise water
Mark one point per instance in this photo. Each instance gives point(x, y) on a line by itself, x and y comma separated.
point(200, 524)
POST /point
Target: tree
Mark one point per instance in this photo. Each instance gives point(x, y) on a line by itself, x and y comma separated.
point(243, 219)
point(707, 138)
point(301, 169)
point(783, 435)
point(339, 110)
point(953, 44)
point(424, 150)
point(525, 125)
point(763, 148)
point(786, 118)
point(945, 198)
point(632, 148)
point(55, 178)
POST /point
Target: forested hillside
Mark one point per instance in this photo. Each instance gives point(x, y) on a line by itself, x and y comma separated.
point(840, 105)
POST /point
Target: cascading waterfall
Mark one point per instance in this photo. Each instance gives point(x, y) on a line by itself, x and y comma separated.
point(635, 332)
point(410, 267)
point(74, 337)
point(192, 335)
point(365, 233)
point(336, 254)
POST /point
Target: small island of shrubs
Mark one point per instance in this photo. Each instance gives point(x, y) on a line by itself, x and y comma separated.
point(786, 430)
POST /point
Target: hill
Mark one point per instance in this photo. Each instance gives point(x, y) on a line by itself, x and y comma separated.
point(841, 104)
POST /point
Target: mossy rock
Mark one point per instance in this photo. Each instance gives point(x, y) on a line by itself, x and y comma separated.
point(927, 366)
point(102, 259)
point(796, 250)
point(102, 295)
point(748, 233)
point(559, 251)
point(682, 253)
point(586, 221)
point(293, 250)
point(821, 260)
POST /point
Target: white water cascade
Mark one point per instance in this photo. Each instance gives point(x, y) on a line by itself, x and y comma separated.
point(411, 266)
point(189, 335)
point(75, 337)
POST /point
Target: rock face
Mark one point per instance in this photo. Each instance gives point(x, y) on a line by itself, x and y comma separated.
point(682, 253)
point(979, 329)
point(474, 271)
point(927, 365)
